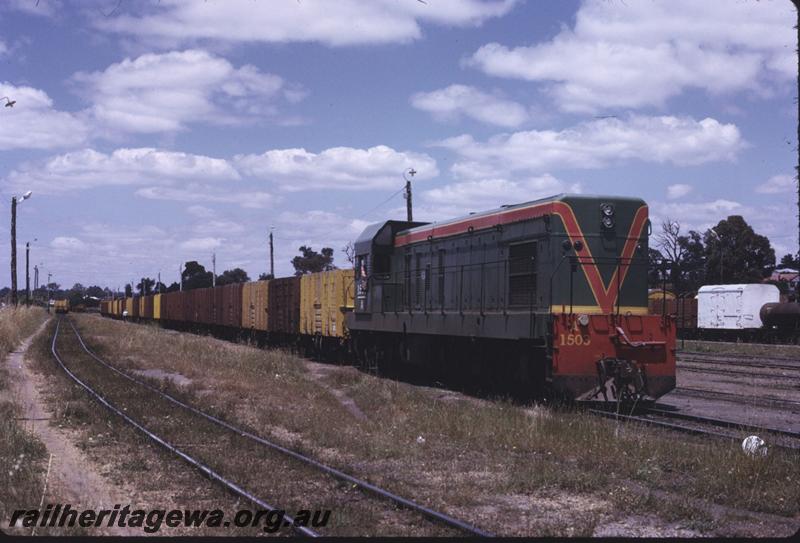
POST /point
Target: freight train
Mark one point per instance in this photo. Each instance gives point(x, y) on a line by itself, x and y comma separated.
point(544, 297)
point(741, 313)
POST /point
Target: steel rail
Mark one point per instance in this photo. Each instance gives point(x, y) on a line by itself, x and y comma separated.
point(722, 422)
point(745, 363)
point(735, 398)
point(230, 485)
point(751, 373)
point(360, 483)
point(681, 428)
point(736, 356)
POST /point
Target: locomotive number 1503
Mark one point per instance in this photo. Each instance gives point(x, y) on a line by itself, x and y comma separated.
point(575, 339)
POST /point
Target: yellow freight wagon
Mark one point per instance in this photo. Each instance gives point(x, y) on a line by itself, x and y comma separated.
point(157, 306)
point(254, 305)
point(128, 306)
point(322, 299)
point(141, 301)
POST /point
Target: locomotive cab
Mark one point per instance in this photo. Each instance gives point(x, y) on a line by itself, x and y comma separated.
point(375, 289)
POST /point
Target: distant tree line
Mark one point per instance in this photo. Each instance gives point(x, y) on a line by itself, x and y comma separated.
point(194, 275)
point(729, 253)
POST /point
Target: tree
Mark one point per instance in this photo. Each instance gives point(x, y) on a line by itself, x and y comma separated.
point(236, 275)
point(145, 286)
point(736, 254)
point(159, 287)
point(195, 276)
point(349, 251)
point(789, 261)
point(669, 240)
point(312, 261)
point(265, 277)
point(175, 286)
point(128, 290)
point(693, 263)
point(654, 268)
point(96, 292)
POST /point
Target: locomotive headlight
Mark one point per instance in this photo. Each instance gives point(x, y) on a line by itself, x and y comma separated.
point(583, 320)
point(608, 222)
point(607, 210)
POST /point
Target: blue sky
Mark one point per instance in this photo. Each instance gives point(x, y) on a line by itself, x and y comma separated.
point(152, 133)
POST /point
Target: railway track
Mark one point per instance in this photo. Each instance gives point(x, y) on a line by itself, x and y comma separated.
point(367, 488)
point(739, 360)
point(784, 381)
point(707, 426)
point(761, 401)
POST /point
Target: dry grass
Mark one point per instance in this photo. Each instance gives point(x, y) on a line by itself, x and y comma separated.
point(752, 349)
point(484, 461)
point(21, 454)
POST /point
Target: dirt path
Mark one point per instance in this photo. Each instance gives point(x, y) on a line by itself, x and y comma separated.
point(319, 371)
point(73, 478)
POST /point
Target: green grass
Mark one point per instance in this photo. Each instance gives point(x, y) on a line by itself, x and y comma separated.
point(473, 453)
point(22, 456)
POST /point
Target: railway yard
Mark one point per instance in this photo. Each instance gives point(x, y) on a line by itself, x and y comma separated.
point(174, 419)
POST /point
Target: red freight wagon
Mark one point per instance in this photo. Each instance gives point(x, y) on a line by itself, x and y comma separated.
point(283, 303)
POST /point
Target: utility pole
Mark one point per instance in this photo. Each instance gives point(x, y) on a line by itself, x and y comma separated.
point(797, 99)
point(49, 275)
point(27, 273)
point(271, 255)
point(35, 277)
point(409, 207)
point(13, 250)
point(14, 242)
point(214, 269)
point(158, 286)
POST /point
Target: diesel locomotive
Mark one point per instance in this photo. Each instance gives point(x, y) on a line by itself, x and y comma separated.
point(544, 297)
point(550, 294)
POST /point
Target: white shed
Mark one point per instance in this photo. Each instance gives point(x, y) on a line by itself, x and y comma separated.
point(733, 307)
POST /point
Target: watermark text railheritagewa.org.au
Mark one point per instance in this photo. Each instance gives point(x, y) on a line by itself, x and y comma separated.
point(152, 520)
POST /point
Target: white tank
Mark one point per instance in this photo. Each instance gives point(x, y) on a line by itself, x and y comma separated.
point(733, 307)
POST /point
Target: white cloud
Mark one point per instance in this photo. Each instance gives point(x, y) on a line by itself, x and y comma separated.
point(778, 184)
point(33, 123)
point(201, 212)
point(597, 144)
point(218, 226)
point(66, 243)
point(478, 195)
point(201, 244)
point(344, 168)
point(194, 192)
point(165, 92)
point(456, 101)
point(641, 53)
point(89, 168)
point(351, 22)
point(678, 190)
point(697, 215)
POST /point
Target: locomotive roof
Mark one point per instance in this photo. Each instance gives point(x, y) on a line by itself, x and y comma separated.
point(563, 197)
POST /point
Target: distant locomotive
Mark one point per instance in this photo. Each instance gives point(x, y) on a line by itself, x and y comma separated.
point(549, 295)
point(61, 306)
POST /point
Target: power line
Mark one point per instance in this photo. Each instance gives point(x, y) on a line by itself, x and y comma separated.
point(382, 203)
